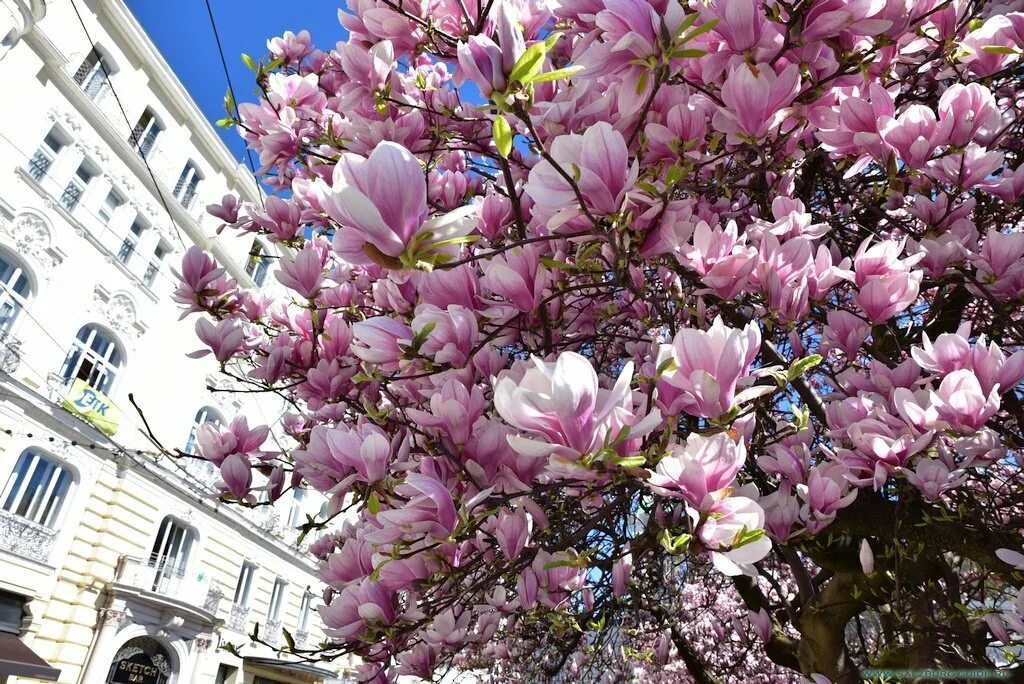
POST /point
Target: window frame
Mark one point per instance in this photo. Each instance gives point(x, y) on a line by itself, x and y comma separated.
point(257, 266)
point(56, 483)
point(277, 598)
point(82, 349)
point(185, 190)
point(246, 571)
point(9, 293)
point(47, 153)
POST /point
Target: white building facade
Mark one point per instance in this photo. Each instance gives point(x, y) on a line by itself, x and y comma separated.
point(117, 565)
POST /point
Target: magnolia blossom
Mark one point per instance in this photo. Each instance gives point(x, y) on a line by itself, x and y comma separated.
point(702, 467)
point(709, 366)
point(562, 403)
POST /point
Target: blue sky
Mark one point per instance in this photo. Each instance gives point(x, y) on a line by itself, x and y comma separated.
point(182, 32)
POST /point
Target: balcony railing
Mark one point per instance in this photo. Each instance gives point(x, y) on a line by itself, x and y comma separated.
point(10, 353)
point(163, 578)
point(165, 170)
point(238, 618)
point(25, 538)
point(271, 632)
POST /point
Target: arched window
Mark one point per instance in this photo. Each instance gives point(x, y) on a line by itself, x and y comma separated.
point(172, 549)
point(14, 291)
point(95, 358)
point(204, 415)
point(37, 489)
point(258, 263)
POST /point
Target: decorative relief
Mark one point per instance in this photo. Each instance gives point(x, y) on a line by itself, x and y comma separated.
point(67, 118)
point(25, 538)
point(120, 312)
point(32, 236)
point(111, 616)
point(203, 643)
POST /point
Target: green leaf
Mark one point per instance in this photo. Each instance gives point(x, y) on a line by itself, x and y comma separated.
point(551, 263)
point(629, 461)
point(665, 366)
point(689, 53)
point(247, 61)
point(801, 366)
point(999, 50)
point(703, 28)
point(687, 23)
point(557, 74)
point(373, 504)
point(745, 536)
point(502, 134)
point(529, 63)
point(226, 122)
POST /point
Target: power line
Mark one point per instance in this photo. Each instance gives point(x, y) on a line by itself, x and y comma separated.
point(106, 75)
point(234, 100)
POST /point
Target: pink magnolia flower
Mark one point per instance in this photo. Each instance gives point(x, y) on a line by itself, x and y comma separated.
point(513, 532)
point(709, 366)
point(916, 133)
point(380, 339)
point(201, 282)
point(622, 568)
point(358, 609)
point(825, 493)
point(454, 410)
point(516, 277)
point(846, 332)
point(721, 532)
point(303, 273)
point(215, 441)
point(236, 472)
point(451, 336)
point(932, 478)
point(756, 100)
point(226, 338)
point(701, 467)
point(604, 175)
point(380, 202)
point(962, 403)
point(562, 404)
point(969, 109)
point(226, 211)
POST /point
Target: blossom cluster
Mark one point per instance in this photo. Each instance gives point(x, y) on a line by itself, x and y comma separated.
point(593, 303)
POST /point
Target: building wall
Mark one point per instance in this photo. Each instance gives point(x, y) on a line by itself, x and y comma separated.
point(86, 598)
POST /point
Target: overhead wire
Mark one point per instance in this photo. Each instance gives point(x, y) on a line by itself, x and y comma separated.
point(120, 106)
point(234, 100)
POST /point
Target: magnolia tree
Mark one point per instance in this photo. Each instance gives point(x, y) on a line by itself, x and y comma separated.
point(637, 339)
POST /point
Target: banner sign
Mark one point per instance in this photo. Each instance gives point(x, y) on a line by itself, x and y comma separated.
point(93, 406)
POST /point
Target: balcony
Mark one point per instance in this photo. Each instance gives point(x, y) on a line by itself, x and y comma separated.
point(271, 632)
point(25, 538)
point(187, 586)
point(238, 618)
point(10, 353)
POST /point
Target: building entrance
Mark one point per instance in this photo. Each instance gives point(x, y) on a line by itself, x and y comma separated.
point(142, 660)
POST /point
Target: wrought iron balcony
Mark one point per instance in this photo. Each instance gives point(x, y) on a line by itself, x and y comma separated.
point(238, 618)
point(163, 577)
point(10, 353)
point(271, 632)
point(25, 538)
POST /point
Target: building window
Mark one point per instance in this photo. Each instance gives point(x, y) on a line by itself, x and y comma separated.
point(277, 599)
point(295, 511)
point(172, 549)
point(305, 613)
point(155, 263)
point(205, 415)
point(188, 181)
point(258, 263)
point(37, 489)
point(93, 75)
point(185, 188)
point(143, 136)
point(95, 358)
point(131, 241)
point(13, 294)
point(77, 185)
point(110, 205)
point(40, 163)
point(243, 590)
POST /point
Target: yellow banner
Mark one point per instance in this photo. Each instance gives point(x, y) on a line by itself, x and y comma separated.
point(93, 406)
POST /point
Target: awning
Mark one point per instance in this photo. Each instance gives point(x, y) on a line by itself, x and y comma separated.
point(292, 670)
point(18, 659)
